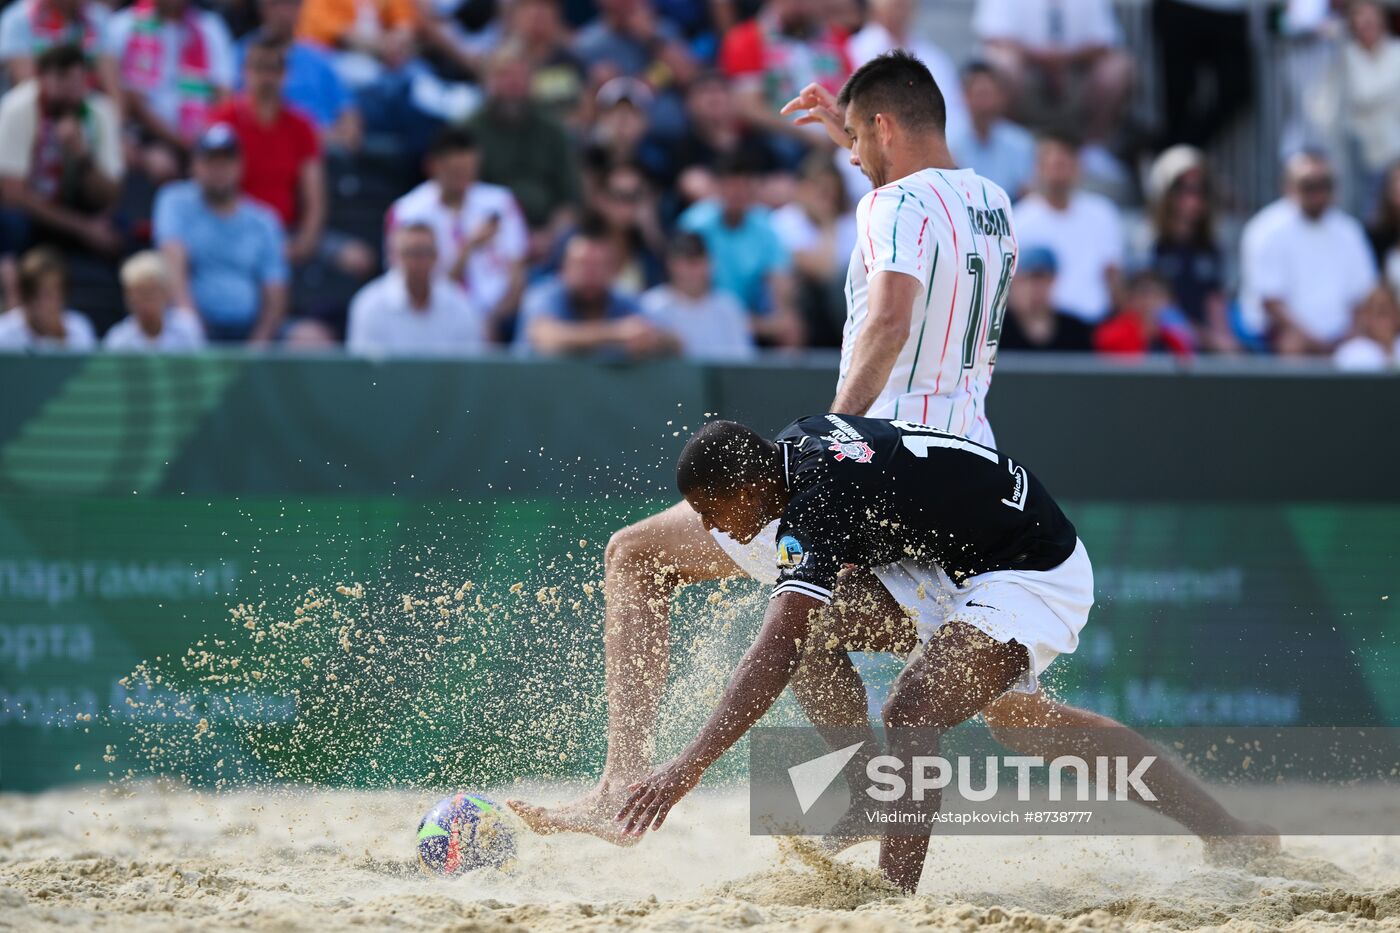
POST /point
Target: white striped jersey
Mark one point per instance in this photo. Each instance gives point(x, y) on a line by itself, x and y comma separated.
point(951, 230)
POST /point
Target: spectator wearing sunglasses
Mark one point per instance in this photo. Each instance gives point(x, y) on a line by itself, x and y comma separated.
point(1312, 266)
point(624, 207)
point(1184, 248)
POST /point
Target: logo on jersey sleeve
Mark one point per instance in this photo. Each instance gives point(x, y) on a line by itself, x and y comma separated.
point(857, 451)
point(790, 553)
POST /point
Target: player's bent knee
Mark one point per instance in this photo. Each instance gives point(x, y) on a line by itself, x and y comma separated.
point(626, 546)
point(636, 553)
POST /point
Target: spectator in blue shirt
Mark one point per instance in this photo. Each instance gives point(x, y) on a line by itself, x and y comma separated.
point(581, 313)
point(226, 254)
point(750, 261)
point(311, 83)
point(988, 143)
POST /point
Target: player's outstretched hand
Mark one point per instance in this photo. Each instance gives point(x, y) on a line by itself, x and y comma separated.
point(653, 797)
point(818, 105)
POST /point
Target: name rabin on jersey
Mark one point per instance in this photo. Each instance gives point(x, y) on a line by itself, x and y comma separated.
point(991, 223)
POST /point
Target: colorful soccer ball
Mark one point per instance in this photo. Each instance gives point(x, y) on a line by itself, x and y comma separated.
point(464, 832)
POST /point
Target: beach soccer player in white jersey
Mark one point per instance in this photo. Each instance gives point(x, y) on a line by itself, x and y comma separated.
point(926, 289)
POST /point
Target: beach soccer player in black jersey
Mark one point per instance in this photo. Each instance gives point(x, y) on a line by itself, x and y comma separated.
point(877, 519)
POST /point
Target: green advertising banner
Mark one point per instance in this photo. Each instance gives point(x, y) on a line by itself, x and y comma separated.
point(331, 571)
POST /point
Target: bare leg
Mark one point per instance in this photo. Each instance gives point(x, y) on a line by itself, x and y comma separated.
point(1034, 724)
point(644, 565)
point(831, 693)
point(960, 672)
point(862, 617)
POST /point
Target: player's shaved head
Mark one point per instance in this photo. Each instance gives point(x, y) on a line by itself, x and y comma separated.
point(723, 457)
point(898, 85)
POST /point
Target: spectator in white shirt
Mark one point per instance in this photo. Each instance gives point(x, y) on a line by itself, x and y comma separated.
point(1252, 320)
point(1062, 60)
point(1080, 227)
point(710, 324)
point(480, 231)
point(152, 324)
point(990, 144)
point(890, 25)
point(40, 321)
point(1376, 345)
point(1312, 265)
point(414, 309)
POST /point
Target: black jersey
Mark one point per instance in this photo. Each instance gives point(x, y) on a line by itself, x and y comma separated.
point(870, 492)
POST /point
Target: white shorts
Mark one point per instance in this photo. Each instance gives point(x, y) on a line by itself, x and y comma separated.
point(1040, 609)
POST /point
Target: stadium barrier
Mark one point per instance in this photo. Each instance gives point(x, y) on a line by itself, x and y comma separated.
point(1243, 525)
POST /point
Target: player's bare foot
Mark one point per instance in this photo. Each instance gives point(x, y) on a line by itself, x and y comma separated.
point(591, 814)
point(1254, 840)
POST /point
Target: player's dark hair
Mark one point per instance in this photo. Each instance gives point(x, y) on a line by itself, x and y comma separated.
point(897, 84)
point(724, 456)
point(450, 140)
point(60, 58)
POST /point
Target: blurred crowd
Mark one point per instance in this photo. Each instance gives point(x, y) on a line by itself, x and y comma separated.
point(613, 176)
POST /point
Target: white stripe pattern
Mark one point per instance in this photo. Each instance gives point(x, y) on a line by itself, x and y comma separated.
point(802, 588)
